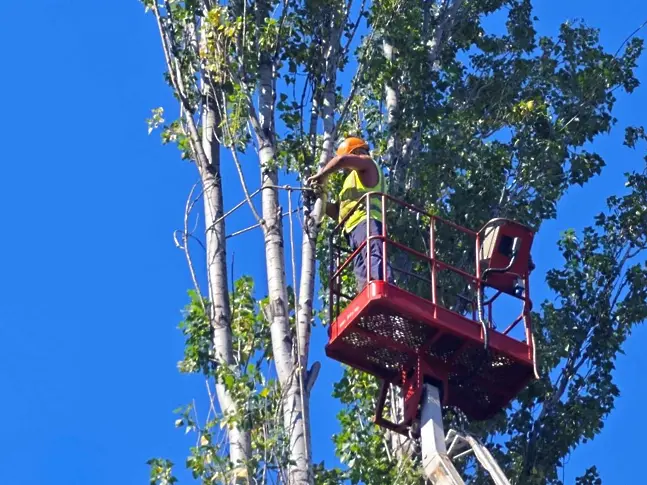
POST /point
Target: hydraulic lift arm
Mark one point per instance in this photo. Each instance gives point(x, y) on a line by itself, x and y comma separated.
point(439, 450)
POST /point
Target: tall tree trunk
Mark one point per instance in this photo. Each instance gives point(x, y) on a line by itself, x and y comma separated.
point(290, 375)
point(444, 25)
point(391, 159)
point(309, 241)
point(313, 219)
point(391, 100)
point(206, 152)
point(219, 311)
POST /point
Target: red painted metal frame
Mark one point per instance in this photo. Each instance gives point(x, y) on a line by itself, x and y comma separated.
point(412, 387)
point(383, 298)
point(419, 309)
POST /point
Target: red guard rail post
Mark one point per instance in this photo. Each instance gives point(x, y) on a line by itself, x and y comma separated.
point(432, 250)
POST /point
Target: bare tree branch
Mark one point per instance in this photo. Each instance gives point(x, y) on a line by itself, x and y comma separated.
point(187, 213)
point(448, 16)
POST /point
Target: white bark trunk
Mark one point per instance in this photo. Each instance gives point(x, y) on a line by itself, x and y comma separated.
point(206, 151)
point(391, 100)
point(282, 342)
point(220, 314)
point(392, 160)
point(410, 150)
point(312, 222)
point(445, 23)
point(308, 266)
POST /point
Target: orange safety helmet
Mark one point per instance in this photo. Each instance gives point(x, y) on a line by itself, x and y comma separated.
point(350, 144)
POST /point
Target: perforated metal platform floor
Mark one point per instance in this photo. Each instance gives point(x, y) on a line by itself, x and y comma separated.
point(384, 329)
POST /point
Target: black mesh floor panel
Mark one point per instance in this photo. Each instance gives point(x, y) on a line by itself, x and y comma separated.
point(480, 382)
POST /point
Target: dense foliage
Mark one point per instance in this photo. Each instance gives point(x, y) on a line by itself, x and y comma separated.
point(474, 116)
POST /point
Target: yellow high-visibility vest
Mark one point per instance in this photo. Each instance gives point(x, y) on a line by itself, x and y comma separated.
point(352, 191)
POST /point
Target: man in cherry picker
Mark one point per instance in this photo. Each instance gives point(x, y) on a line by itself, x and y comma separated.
point(363, 175)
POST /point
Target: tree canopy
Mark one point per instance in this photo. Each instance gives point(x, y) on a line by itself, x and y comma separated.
point(471, 122)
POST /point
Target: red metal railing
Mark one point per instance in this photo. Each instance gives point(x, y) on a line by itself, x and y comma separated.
point(473, 279)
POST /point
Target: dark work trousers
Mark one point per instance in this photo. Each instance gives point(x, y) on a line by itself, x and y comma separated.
point(356, 237)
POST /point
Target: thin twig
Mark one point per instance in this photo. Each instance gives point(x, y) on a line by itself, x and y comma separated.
point(355, 82)
point(180, 245)
point(364, 58)
point(288, 188)
point(177, 83)
point(579, 108)
point(254, 226)
point(212, 408)
point(356, 26)
point(238, 165)
point(281, 23)
point(235, 208)
point(629, 37)
point(234, 153)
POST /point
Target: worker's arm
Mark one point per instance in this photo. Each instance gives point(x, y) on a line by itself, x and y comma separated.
point(363, 164)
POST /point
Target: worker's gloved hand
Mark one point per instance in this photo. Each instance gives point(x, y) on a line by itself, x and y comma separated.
point(318, 179)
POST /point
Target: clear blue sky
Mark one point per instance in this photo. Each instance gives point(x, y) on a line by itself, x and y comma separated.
point(92, 285)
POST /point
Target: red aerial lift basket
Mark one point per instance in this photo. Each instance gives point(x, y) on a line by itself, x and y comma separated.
point(405, 333)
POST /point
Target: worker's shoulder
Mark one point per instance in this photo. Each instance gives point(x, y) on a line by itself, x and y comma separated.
point(367, 160)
